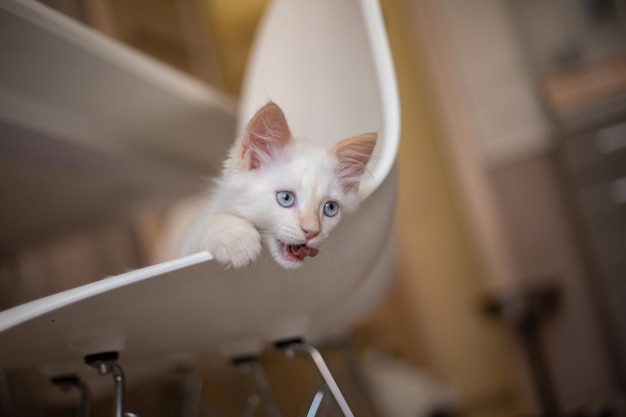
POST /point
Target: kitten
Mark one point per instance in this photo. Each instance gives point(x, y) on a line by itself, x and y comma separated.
point(279, 191)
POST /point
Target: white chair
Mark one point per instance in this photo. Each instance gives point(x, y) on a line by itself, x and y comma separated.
point(328, 65)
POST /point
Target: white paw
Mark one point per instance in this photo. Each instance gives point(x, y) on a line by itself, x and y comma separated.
point(234, 242)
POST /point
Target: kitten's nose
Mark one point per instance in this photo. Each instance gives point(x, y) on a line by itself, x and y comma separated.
point(310, 234)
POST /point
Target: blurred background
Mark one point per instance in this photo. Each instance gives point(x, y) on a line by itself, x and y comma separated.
point(510, 279)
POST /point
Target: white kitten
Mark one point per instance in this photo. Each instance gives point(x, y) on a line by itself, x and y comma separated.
point(279, 191)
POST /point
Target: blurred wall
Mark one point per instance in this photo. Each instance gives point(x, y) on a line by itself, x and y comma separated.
point(440, 280)
point(514, 192)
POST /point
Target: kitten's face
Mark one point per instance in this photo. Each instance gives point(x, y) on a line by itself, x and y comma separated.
point(298, 192)
point(302, 201)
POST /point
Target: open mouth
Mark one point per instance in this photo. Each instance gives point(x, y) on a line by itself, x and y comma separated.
point(296, 253)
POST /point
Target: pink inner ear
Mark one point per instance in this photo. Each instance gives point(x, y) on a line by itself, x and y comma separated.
point(254, 159)
point(265, 136)
point(353, 155)
point(349, 175)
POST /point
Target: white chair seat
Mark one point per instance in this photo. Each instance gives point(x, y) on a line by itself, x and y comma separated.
point(327, 64)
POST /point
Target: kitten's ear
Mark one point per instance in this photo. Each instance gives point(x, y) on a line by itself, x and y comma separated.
point(353, 155)
point(265, 136)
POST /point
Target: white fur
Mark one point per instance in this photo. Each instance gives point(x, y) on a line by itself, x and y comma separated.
point(243, 209)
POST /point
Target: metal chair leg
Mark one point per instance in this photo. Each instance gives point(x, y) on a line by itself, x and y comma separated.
point(66, 382)
point(6, 406)
point(252, 404)
point(106, 363)
point(192, 393)
point(292, 348)
point(318, 401)
point(194, 402)
point(249, 365)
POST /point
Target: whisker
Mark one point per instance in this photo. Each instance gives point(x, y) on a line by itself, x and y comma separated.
point(378, 203)
point(267, 258)
point(329, 242)
point(329, 258)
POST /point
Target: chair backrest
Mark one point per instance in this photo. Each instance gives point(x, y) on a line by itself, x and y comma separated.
point(327, 63)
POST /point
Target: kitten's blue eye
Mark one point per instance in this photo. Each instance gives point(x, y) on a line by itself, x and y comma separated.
point(285, 198)
point(331, 208)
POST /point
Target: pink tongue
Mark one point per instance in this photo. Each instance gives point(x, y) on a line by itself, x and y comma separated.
point(303, 251)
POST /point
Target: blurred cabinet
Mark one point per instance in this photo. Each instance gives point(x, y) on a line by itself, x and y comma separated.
point(594, 161)
point(576, 51)
point(562, 33)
